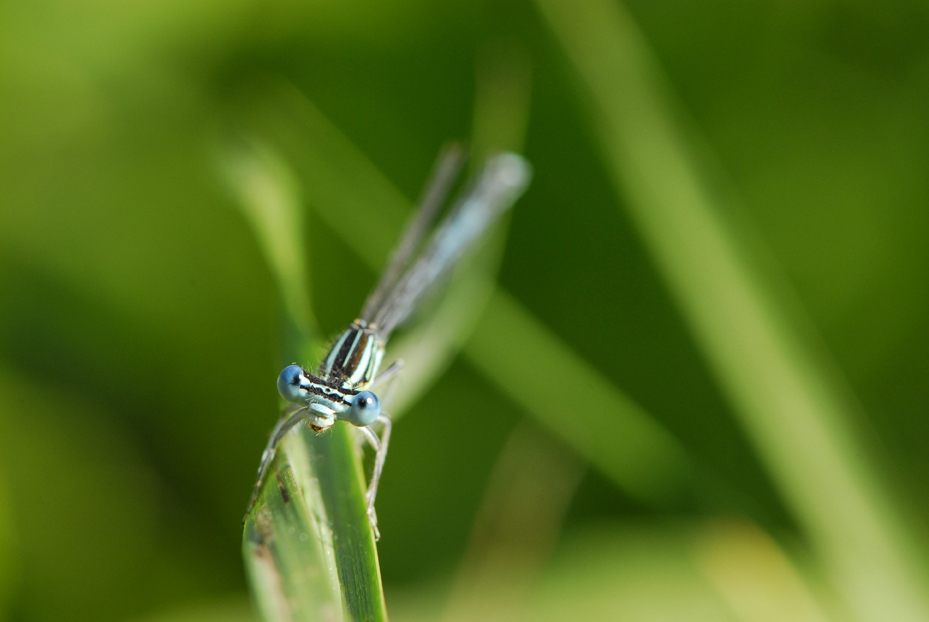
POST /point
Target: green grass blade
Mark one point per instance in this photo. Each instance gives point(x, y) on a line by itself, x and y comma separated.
point(288, 551)
point(787, 393)
point(608, 428)
point(342, 489)
point(267, 195)
point(308, 546)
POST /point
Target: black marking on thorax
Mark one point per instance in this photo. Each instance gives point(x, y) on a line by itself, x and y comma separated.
point(351, 356)
point(324, 388)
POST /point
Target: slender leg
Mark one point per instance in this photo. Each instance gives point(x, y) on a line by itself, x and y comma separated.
point(284, 425)
point(380, 448)
point(395, 368)
point(380, 444)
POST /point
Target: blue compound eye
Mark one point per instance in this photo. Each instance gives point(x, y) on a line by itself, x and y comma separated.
point(289, 384)
point(365, 409)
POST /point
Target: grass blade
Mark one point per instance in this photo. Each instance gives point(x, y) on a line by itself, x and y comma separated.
point(267, 195)
point(608, 427)
point(289, 558)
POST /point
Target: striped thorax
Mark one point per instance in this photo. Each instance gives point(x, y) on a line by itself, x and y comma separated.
point(354, 358)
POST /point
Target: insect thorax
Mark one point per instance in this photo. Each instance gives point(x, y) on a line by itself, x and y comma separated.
point(354, 358)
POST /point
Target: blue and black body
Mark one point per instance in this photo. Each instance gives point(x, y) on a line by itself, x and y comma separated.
point(339, 391)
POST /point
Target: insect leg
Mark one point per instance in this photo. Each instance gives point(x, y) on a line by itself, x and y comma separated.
point(284, 425)
point(380, 448)
point(395, 368)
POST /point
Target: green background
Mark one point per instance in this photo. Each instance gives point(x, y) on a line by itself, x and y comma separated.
point(139, 324)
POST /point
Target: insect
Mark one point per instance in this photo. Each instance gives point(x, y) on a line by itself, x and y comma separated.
point(339, 390)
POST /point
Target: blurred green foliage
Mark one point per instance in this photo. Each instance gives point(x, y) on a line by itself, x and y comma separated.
point(140, 330)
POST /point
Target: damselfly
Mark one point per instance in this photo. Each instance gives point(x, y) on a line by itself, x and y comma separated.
point(339, 389)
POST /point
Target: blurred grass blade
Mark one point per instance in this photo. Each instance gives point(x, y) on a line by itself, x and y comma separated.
point(608, 429)
point(8, 545)
point(789, 395)
point(753, 575)
point(307, 543)
point(268, 197)
point(517, 527)
point(229, 609)
point(349, 194)
point(517, 353)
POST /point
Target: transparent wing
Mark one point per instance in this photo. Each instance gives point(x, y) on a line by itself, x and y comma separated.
point(444, 173)
point(502, 180)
